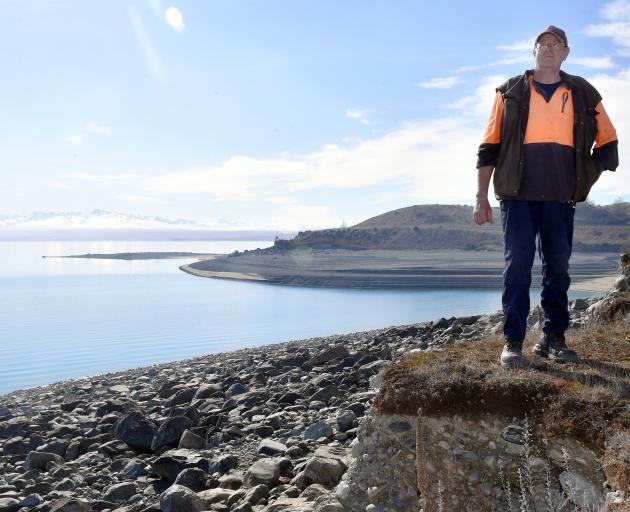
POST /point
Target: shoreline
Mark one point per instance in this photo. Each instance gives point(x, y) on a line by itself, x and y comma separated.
point(291, 406)
point(393, 269)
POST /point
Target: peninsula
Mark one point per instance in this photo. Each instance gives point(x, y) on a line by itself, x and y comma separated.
point(420, 246)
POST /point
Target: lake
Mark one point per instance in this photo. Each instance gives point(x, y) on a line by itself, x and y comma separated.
point(69, 318)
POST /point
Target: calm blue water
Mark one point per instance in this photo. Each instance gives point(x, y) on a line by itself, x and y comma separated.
point(68, 318)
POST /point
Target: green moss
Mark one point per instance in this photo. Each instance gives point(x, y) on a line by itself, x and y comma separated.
point(418, 359)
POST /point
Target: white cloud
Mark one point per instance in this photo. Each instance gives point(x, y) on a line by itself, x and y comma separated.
point(59, 185)
point(93, 177)
point(618, 10)
point(614, 90)
point(281, 200)
point(294, 217)
point(135, 198)
point(478, 105)
point(592, 62)
point(73, 139)
point(617, 27)
point(92, 127)
point(151, 58)
point(525, 44)
point(81, 176)
point(466, 69)
point(416, 157)
point(361, 115)
point(440, 83)
point(619, 32)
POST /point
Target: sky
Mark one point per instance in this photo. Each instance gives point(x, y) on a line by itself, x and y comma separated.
point(277, 114)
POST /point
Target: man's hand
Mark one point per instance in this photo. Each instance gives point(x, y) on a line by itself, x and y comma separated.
point(483, 211)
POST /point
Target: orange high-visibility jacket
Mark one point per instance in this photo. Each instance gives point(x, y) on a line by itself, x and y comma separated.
point(550, 150)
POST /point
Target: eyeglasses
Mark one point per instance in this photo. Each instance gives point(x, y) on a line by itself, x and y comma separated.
point(549, 46)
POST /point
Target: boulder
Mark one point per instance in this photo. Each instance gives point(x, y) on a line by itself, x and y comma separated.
point(178, 498)
point(270, 447)
point(264, 471)
point(120, 493)
point(324, 468)
point(70, 505)
point(193, 478)
point(170, 432)
point(39, 460)
point(192, 441)
point(9, 505)
point(317, 430)
point(345, 420)
point(328, 354)
point(212, 496)
point(136, 430)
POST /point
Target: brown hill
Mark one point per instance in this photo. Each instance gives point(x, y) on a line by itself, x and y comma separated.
point(598, 228)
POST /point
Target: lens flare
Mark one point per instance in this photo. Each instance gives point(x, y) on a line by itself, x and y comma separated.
point(174, 18)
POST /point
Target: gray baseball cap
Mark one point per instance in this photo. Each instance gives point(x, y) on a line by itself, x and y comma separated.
point(554, 31)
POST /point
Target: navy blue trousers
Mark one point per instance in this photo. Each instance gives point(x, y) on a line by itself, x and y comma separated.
point(547, 225)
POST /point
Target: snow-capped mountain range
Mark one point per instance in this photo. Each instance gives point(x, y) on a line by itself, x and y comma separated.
point(96, 223)
point(102, 219)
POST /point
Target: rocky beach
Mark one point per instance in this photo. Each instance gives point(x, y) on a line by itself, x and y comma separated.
point(266, 429)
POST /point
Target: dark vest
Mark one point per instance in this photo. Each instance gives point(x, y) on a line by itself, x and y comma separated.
point(516, 95)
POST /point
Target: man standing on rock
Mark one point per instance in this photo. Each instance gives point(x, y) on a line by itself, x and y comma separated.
point(539, 144)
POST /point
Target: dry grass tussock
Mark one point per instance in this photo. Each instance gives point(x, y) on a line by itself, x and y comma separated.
point(588, 399)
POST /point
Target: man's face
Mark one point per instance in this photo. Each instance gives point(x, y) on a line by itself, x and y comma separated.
point(547, 57)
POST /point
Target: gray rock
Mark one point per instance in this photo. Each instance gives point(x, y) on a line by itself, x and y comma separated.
point(580, 491)
point(270, 447)
point(257, 493)
point(345, 420)
point(223, 464)
point(13, 426)
point(290, 505)
point(313, 491)
point(30, 501)
point(16, 446)
point(181, 397)
point(208, 390)
point(39, 460)
point(193, 478)
point(317, 430)
point(324, 394)
point(213, 496)
point(178, 498)
point(114, 448)
point(328, 354)
point(324, 468)
point(242, 507)
point(264, 471)
point(235, 389)
point(70, 505)
point(399, 426)
point(192, 441)
point(9, 505)
point(168, 467)
point(136, 430)
point(233, 480)
point(120, 493)
point(133, 469)
point(369, 369)
point(170, 432)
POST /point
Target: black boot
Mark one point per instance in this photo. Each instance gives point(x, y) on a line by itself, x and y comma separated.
point(555, 348)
